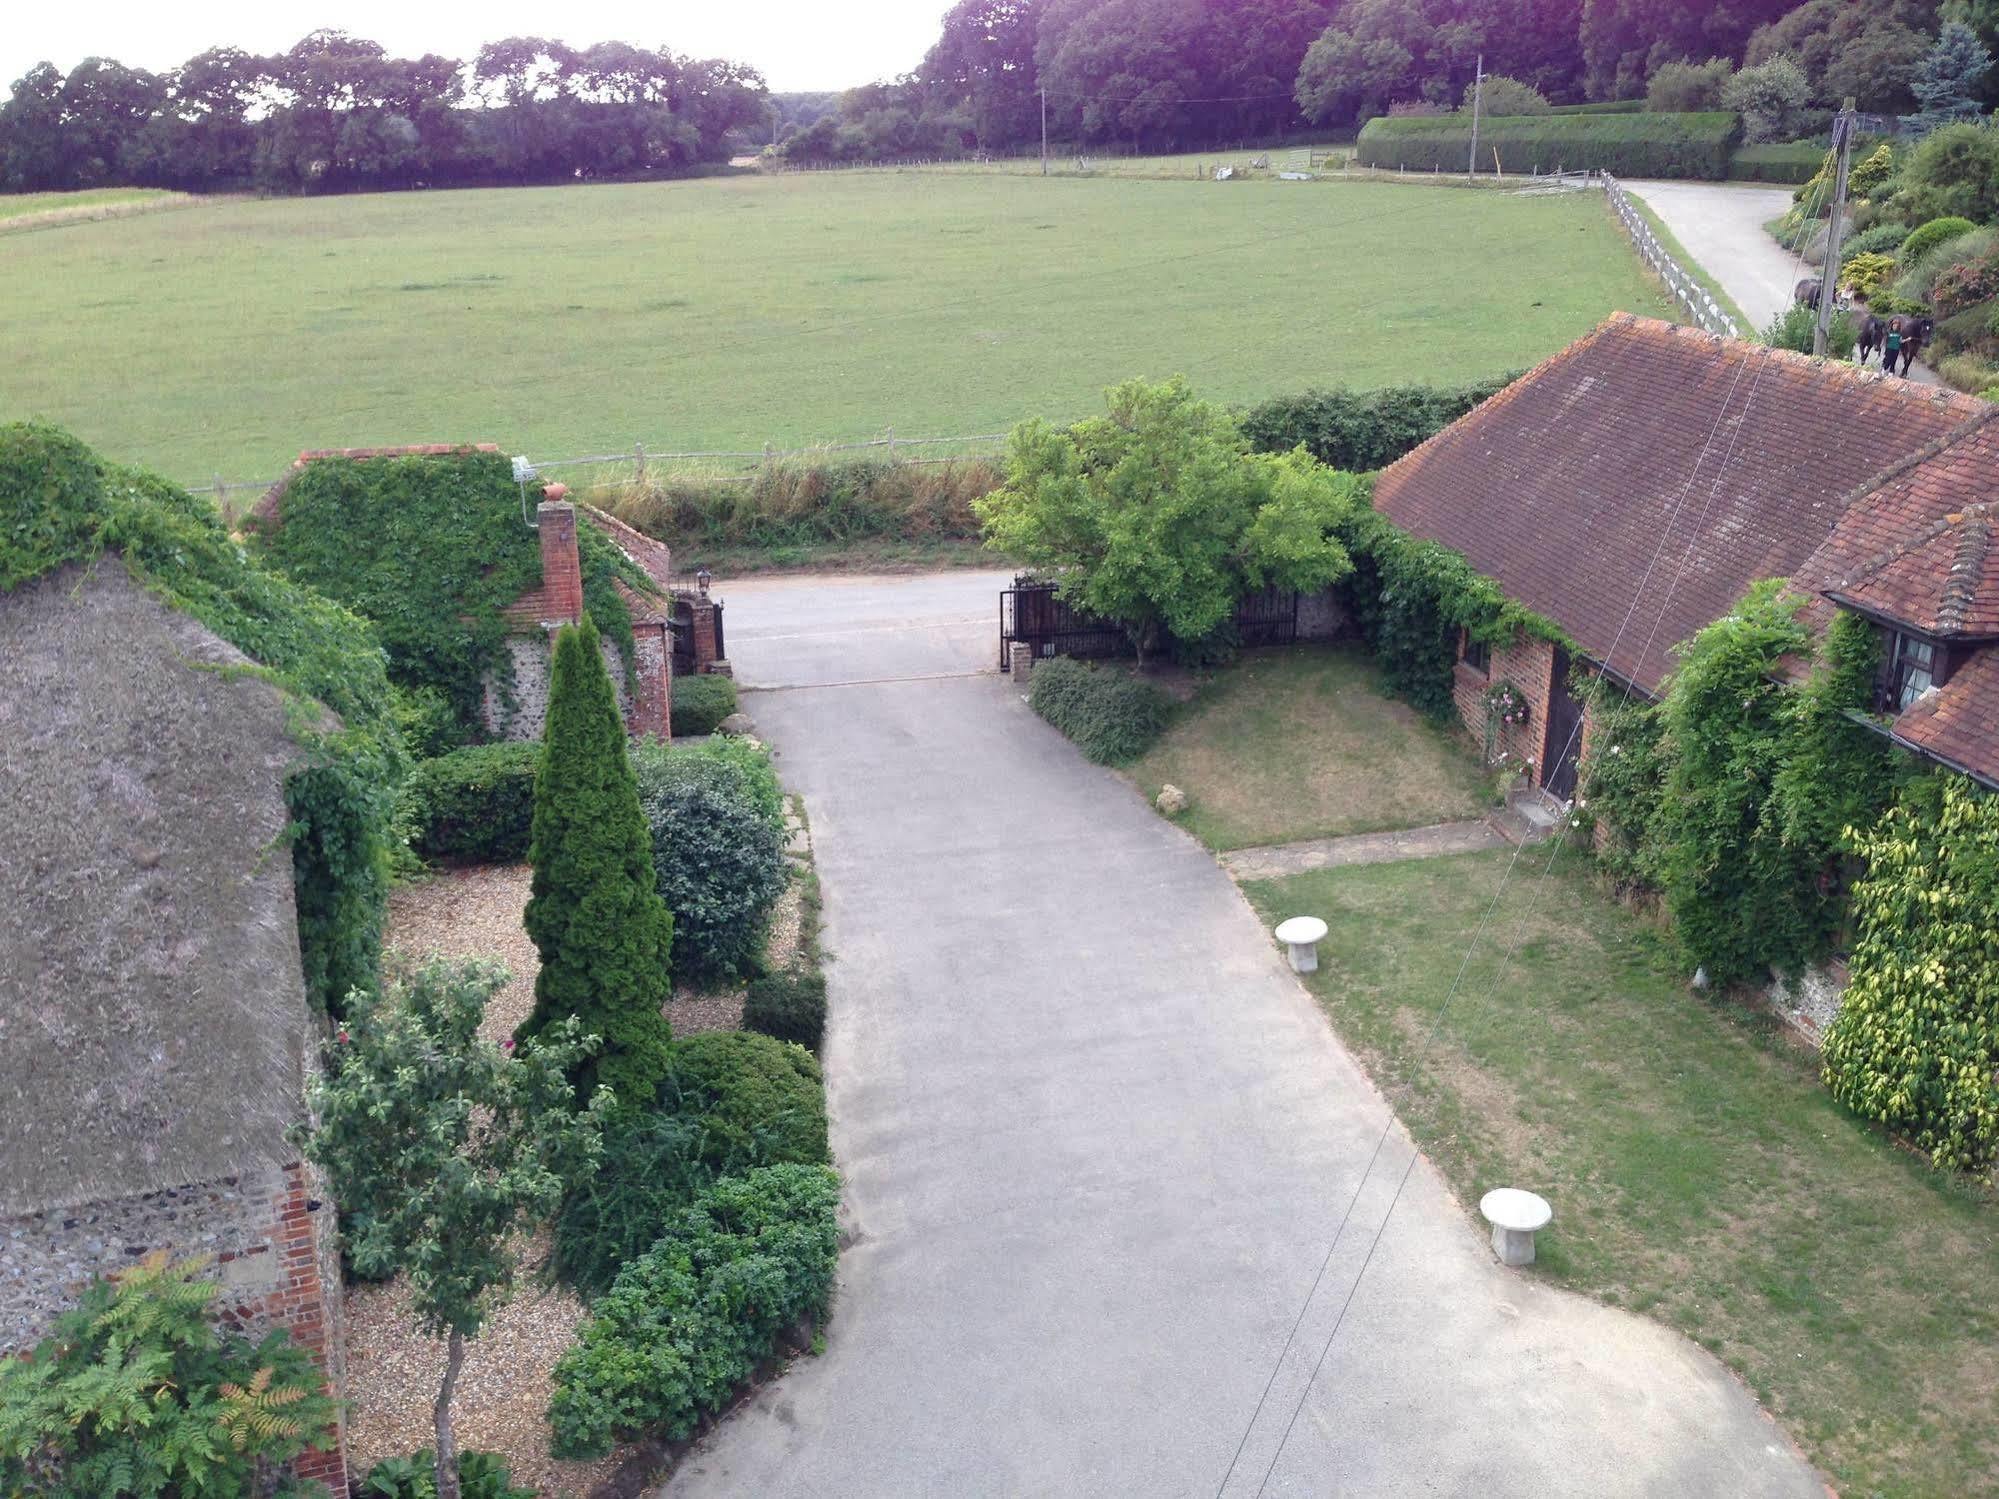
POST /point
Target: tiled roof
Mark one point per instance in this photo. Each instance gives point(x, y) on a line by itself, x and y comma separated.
point(1632, 487)
point(1918, 548)
point(1959, 721)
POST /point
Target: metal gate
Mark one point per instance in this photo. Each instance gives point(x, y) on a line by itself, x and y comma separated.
point(1034, 616)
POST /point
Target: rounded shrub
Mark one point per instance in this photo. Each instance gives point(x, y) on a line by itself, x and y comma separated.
point(1882, 239)
point(473, 805)
point(756, 1098)
point(700, 703)
point(718, 858)
point(1926, 237)
point(789, 1006)
point(1111, 715)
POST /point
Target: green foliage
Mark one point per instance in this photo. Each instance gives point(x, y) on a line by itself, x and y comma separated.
point(717, 853)
point(1361, 430)
point(1113, 716)
point(687, 1323)
point(1937, 265)
point(1794, 327)
point(1916, 1042)
point(755, 1097)
point(1159, 517)
point(1777, 163)
point(790, 1006)
point(1621, 785)
point(1770, 97)
point(431, 549)
point(481, 1475)
point(1948, 79)
point(1687, 87)
point(428, 722)
point(1881, 239)
point(1952, 172)
point(1503, 96)
point(1600, 107)
point(1926, 237)
point(700, 703)
point(60, 504)
point(594, 913)
point(1629, 145)
point(474, 805)
point(1872, 172)
point(136, 1395)
point(745, 766)
point(1866, 275)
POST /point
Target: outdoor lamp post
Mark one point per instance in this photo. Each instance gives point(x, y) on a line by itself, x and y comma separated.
point(702, 578)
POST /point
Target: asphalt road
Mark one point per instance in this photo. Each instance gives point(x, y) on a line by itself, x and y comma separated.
point(1097, 1140)
point(1721, 226)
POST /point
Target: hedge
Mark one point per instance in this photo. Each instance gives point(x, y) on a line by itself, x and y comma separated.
point(474, 805)
point(1629, 145)
point(718, 858)
point(757, 1099)
point(1601, 107)
point(789, 1006)
point(686, 1324)
point(1111, 715)
point(1791, 165)
point(1361, 430)
point(700, 703)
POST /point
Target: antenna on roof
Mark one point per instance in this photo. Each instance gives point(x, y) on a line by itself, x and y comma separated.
point(523, 473)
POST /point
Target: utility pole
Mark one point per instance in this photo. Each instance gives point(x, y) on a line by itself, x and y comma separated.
point(1044, 131)
point(1477, 99)
point(1842, 142)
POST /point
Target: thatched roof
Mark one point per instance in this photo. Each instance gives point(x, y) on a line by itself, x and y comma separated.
point(153, 1017)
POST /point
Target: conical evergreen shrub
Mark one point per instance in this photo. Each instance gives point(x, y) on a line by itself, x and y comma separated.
point(594, 911)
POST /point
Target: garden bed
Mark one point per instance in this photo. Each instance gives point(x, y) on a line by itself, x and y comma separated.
point(1698, 1170)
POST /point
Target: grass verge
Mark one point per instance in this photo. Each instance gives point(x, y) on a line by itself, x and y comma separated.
point(1304, 743)
point(1699, 1171)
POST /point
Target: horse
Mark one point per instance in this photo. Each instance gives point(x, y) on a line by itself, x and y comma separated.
point(1915, 331)
point(1873, 334)
point(1806, 293)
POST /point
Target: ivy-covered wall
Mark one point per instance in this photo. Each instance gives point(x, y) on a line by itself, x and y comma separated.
point(431, 549)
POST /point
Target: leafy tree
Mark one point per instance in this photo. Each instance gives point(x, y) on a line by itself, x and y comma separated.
point(1947, 80)
point(1866, 51)
point(1158, 516)
point(594, 913)
point(136, 1394)
point(1688, 87)
point(1624, 41)
point(440, 1146)
point(983, 64)
point(1793, 329)
point(1770, 97)
point(1506, 96)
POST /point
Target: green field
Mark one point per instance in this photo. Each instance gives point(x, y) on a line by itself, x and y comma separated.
point(735, 311)
point(20, 205)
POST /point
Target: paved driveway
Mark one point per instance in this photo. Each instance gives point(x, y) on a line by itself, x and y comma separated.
point(1721, 226)
point(1096, 1141)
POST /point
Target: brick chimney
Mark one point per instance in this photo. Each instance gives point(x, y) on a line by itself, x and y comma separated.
point(561, 571)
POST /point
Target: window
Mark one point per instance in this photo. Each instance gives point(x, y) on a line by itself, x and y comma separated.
point(1476, 654)
point(1912, 663)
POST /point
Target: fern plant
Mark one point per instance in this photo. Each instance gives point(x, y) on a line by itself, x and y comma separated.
point(135, 1393)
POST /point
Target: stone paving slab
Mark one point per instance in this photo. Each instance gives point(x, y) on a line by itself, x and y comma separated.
point(1275, 861)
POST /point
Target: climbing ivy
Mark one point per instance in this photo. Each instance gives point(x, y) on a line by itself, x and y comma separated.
point(1409, 598)
point(60, 504)
point(1916, 1041)
point(431, 549)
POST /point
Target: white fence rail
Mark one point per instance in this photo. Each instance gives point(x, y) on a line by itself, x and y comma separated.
point(1700, 304)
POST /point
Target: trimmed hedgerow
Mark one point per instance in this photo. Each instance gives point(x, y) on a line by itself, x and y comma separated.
point(686, 1324)
point(594, 912)
point(1788, 164)
point(431, 549)
point(755, 1097)
point(789, 1006)
point(1111, 715)
point(1630, 145)
point(474, 805)
point(61, 504)
point(700, 703)
point(718, 854)
point(1361, 430)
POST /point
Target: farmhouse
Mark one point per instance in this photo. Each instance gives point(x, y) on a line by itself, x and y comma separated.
point(155, 1024)
point(1631, 488)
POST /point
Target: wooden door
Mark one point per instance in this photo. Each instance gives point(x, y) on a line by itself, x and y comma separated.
point(1563, 747)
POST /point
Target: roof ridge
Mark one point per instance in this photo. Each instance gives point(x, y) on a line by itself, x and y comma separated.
point(1867, 567)
point(1917, 457)
point(1960, 588)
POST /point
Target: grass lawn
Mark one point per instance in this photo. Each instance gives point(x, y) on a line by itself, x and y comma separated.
point(19, 205)
point(1698, 1170)
point(1302, 743)
point(727, 312)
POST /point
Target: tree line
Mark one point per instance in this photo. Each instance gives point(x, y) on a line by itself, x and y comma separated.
point(1189, 74)
point(337, 113)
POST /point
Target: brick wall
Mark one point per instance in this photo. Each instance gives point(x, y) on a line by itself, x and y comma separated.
point(559, 599)
point(273, 1253)
point(707, 636)
point(651, 710)
point(1528, 664)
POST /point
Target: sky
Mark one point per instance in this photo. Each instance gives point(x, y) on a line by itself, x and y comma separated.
point(796, 44)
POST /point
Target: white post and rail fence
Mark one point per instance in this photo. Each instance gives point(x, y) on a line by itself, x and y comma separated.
point(1699, 303)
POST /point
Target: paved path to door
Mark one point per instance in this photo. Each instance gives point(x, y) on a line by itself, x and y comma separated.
point(1275, 861)
point(1096, 1142)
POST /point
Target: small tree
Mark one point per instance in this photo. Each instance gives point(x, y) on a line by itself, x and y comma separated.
point(1506, 96)
point(1685, 87)
point(594, 911)
point(1947, 80)
point(1769, 98)
point(1160, 518)
point(440, 1145)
